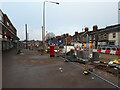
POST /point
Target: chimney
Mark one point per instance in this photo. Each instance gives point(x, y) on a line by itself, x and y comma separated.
point(76, 33)
point(95, 28)
point(86, 29)
point(67, 34)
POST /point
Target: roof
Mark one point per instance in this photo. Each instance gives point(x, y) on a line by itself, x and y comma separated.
point(1, 11)
point(113, 28)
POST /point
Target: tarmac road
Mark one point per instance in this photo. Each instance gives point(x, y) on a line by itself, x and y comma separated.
point(32, 70)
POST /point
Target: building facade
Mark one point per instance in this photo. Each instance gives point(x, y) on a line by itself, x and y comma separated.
point(8, 32)
point(107, 36)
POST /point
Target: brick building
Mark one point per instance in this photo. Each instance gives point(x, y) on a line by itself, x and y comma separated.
point(109, 35)
point(61, 40)
point(8, 32)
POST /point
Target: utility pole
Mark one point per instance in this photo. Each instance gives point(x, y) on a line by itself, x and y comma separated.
point(88, 50)
point(66, 48)
point(43, 29)
point(42, 34)
point(26, 34)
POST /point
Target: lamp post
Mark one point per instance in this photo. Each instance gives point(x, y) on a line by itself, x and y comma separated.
point(26, 35)
point(43, 29)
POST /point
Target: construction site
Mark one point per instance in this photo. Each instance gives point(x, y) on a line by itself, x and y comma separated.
point(36, 68)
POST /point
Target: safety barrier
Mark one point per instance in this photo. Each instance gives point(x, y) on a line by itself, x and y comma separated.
point(102, 51)
point(93, 73)
point(107, 51)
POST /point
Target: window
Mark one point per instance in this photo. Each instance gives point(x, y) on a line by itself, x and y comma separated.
point(108, 48)
point(111, 43)
point(1, 18)
point(7, 23)
point(100, 35)
point(113, 48)
point(90, 37)
point(93, 37)
point(0, 35)
point(79, 38)
point(103, 48)
point(11, 27)
point(118, 49)
point(114, 35)
point(105, 36)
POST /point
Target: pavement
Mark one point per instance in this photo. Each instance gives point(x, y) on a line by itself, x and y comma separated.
point(33, 70)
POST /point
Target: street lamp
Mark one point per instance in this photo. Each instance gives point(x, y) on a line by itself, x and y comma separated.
point(43, 31)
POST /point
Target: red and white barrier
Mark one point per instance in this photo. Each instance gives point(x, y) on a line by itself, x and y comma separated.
point(102, 51)
point(79, 49)
point(113, 52)
point(107, 51)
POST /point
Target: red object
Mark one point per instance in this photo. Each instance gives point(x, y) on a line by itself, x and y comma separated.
point(99, 51)
point(117, 52)
point(75, 48)
point(52, 50)
point(107, 51)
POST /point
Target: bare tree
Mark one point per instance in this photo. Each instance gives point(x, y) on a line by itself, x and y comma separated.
point(50, 35)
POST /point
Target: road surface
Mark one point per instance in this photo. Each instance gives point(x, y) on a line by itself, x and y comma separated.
point(32, 70)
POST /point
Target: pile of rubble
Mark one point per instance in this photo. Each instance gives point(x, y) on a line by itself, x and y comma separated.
point(111, 67)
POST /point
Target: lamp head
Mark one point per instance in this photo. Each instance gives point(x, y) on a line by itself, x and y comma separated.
point(57, 3)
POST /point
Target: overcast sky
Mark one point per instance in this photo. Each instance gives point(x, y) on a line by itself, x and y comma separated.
point(67, 17)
